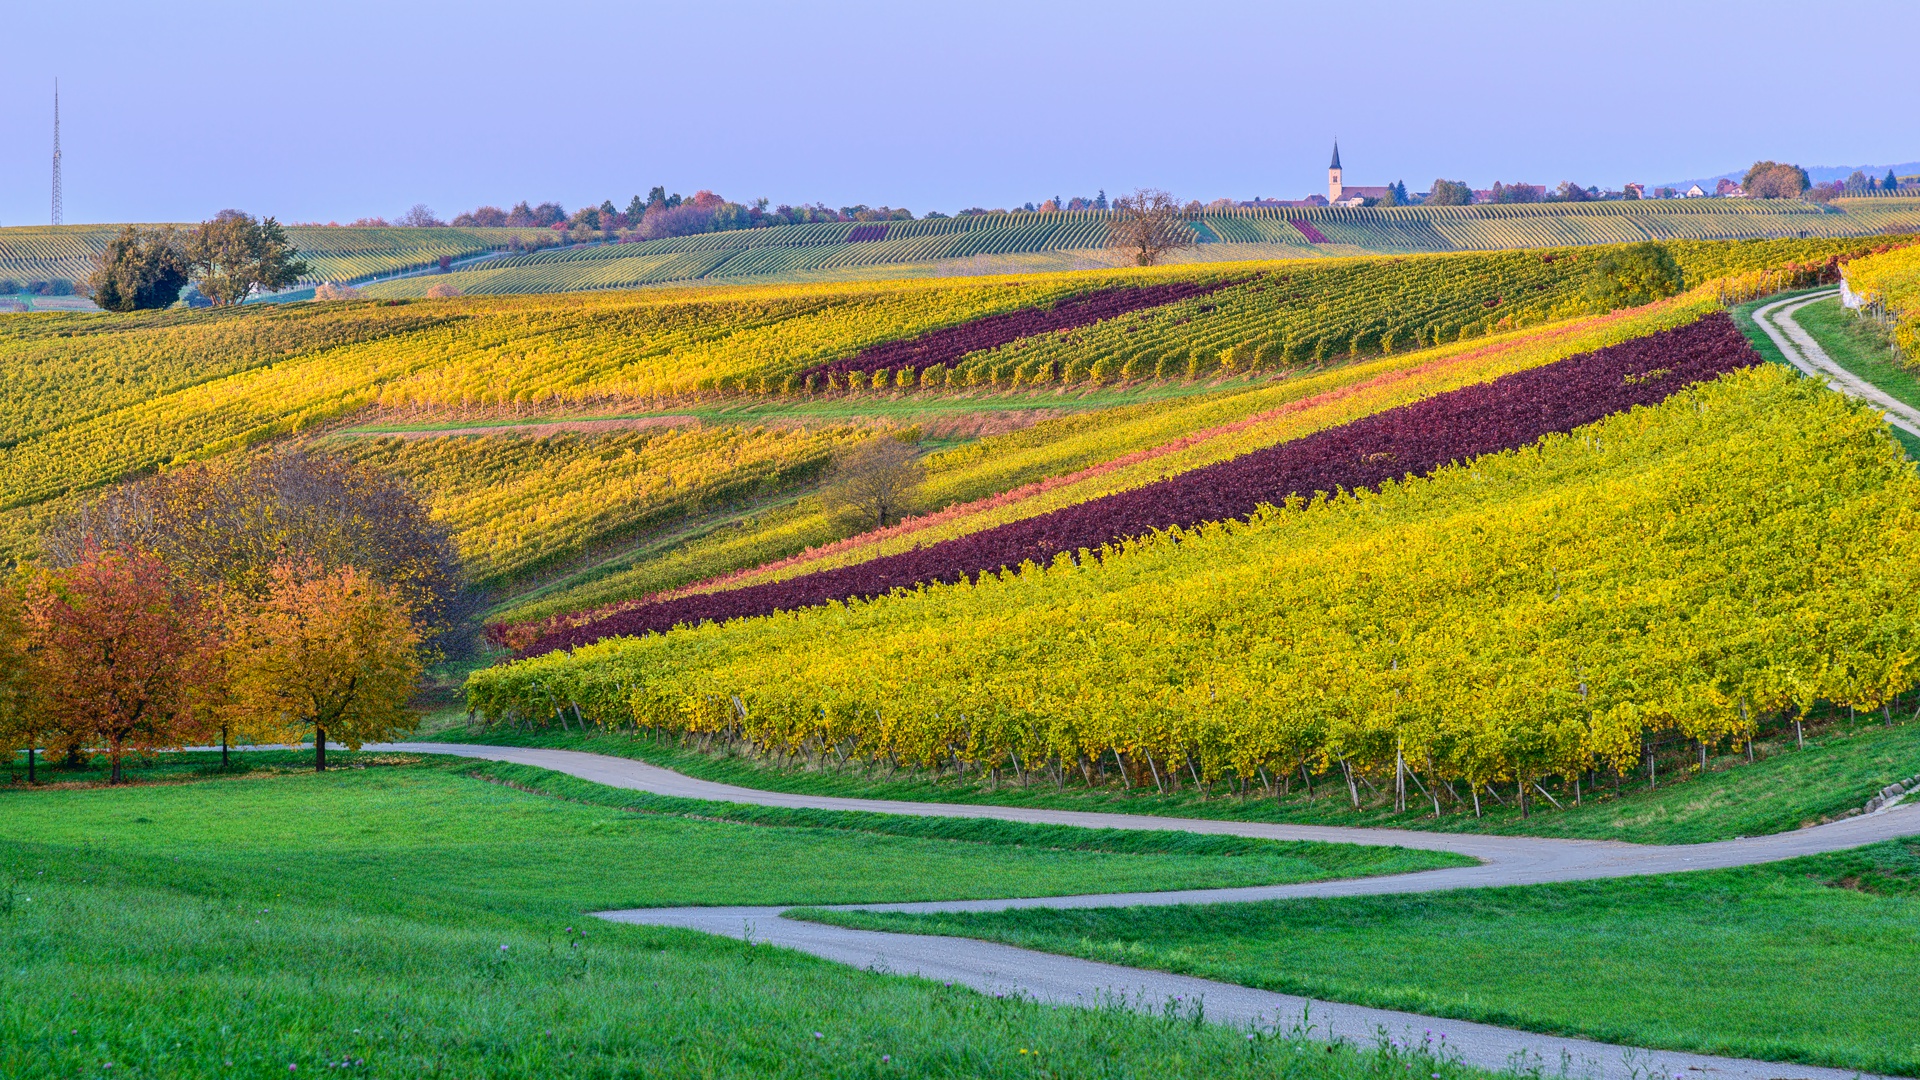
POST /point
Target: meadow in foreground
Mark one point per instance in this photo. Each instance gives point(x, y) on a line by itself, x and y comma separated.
point(1812, 960)
point(411, 920)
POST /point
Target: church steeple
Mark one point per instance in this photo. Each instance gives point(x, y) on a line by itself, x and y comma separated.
point(1336, 155)
point(1334, 187)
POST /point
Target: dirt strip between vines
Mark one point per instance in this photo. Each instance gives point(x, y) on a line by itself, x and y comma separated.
point(1807, 355)
point(1001, 969)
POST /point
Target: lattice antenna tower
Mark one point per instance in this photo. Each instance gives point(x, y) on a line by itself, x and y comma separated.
point(58, 211)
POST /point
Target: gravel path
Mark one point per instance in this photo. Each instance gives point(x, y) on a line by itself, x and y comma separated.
point(1807, 355)
point(994, 968)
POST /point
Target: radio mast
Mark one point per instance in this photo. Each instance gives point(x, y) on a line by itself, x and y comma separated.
point(58, 211)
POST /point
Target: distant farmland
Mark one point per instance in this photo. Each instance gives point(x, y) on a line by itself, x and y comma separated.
point(984, 243)
point(1011, 243)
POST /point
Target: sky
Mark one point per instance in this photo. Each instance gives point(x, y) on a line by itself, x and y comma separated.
point(319, 112)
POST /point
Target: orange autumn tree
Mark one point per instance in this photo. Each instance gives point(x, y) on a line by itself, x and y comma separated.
point(335, 653)
point(117, 653)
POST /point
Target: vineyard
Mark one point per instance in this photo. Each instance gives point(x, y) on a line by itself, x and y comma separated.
point(1888, 286)
point(41, 252)
point(809, 251)
point(1239, 317)
point(1065, 462)
point(100, 397)
point(518, 505)
point(1526, 614)
point(1409, 440)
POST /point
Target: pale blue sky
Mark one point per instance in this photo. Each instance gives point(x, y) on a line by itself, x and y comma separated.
point(333, 110)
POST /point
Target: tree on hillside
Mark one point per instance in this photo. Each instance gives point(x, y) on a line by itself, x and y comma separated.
point(1891, 183)
point(1773, 180)
point(876, 482)
point(482, 217)
point(1147, 225)
point(234, 254)
point(546, 215)
point(420, 216)
point(1449, 193)
point(1633, 275)
point(118, 652)
point(330, 653)
point(225, 525)
point(139, 269)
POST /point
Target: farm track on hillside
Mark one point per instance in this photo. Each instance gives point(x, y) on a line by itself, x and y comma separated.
point(1806, 354)
point(994, 968)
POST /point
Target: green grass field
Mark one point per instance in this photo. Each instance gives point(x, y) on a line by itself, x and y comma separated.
point(414, 920)
point(1842, 766)
point(1860, 346)
point(1812, 961)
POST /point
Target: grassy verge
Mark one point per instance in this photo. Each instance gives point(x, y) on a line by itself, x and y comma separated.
point(93, 771)
point(1856, 344)
point(1861, 346)
point(1843, 764)
point(1812, 961)
point(975, 858)
point(416, 921)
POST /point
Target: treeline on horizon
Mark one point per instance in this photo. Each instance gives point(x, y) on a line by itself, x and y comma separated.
point(660, 215)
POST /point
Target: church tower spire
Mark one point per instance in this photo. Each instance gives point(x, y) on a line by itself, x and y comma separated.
point(1334, 187)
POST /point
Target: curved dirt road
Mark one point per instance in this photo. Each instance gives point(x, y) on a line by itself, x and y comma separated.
point(1807, 355)
point(994, 968)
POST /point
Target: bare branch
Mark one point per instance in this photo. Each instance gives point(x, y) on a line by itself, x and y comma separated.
point(1147, 226)
point(876, 481)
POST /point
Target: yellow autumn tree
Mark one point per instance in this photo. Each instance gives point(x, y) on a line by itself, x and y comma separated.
point(332, 653)
point(23, 726)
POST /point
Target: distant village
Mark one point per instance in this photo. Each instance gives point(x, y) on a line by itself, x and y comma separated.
point(1454, 193)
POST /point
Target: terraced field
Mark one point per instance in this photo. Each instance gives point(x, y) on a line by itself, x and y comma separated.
point(957, 245)
point(345, 253)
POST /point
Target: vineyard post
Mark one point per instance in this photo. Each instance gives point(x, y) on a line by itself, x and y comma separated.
point(1400, 776)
